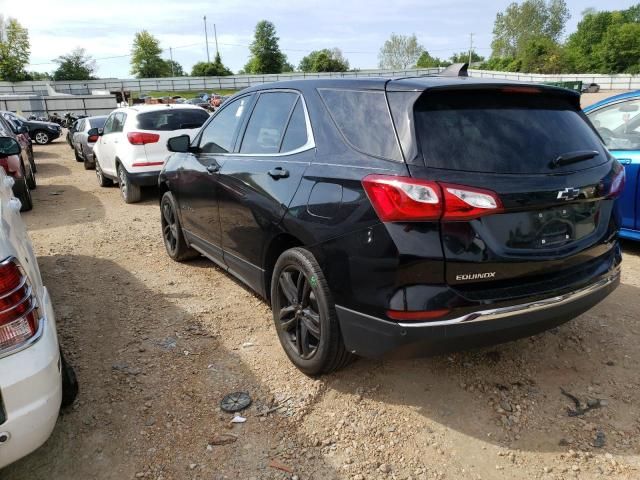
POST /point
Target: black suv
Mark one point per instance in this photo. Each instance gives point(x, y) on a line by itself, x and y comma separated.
point(421, 213)
point(41, 132)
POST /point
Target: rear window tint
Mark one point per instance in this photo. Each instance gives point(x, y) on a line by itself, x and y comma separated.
point(364, 120)
point(497, 132)
point(172, 119)
point(97, 122)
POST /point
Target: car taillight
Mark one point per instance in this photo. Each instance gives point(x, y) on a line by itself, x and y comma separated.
point(416, 316)
point(19, 315)
point(142, 138)
point(617, 183)
point(93, 138)
point(398, 199)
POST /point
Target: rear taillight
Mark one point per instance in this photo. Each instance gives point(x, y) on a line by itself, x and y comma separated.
point(400, 199)
point(142, 138)
point(93, 138)
point(617, 183)
point(19, 315)
point(416, 316)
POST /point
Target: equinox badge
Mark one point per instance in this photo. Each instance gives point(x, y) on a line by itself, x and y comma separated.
point(476, 276)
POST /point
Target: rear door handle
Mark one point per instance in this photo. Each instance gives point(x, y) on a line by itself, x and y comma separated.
point(213, 168)
point(278, 172)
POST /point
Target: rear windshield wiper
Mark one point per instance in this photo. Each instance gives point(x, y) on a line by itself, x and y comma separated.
point(573, 157)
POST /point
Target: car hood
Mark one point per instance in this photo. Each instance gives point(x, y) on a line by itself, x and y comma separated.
point(36, 123)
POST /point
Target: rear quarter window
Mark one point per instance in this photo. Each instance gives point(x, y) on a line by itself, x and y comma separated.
point(364, 120)
point(496, 132)
point(172, 119)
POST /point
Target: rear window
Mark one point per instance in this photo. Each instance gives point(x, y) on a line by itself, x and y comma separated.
point(172, 119)
point(494, 132)
point(364, 120)
point(97, 122)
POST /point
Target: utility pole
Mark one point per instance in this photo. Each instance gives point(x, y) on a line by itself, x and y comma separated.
point(215, 34)
point(206, 38)
point(171, 56)
point(470, 47)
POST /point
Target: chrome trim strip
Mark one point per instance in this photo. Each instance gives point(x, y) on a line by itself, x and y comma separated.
point(504, 312)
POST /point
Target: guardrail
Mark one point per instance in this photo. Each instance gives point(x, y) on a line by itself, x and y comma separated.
point(238, 82)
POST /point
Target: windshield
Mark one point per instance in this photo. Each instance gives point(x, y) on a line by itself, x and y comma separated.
point(502, 132)
point(619, 124)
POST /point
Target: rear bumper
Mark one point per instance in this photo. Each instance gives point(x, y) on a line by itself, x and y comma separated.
point(144, 179)
point(31, 392)
point(373, 337)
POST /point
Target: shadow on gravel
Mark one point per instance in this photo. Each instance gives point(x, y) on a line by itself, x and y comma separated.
point(48, 170)
point(62, 205)
point(40, 153)
point(510, 394)
point(151, 378)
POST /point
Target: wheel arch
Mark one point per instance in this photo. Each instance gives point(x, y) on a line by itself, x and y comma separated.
point(275, 248)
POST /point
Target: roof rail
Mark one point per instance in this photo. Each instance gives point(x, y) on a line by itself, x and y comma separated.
point(455, 70)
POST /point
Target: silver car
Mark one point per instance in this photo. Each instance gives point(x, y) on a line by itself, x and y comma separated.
point(82, 143)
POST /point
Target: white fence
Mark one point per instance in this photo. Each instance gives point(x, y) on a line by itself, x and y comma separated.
point(237, 82)
point(46, 105)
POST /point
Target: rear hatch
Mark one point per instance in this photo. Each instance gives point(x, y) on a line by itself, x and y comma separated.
point(542, 183)
point(154, 128)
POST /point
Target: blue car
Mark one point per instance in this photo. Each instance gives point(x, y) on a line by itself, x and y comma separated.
point(617, 119)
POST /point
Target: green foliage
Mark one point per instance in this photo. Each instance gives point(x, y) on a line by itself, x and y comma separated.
point(400, 52)
point(266, 56)
point(541, 55)
point(76, 65)
point(427, 61)
point(14, 50)
point(175, 69)
point(325, 60)
point(463, 57)
point(211, 69)
point(519, 23)
point(620, 49)
point(145, 57)
point(38, 76)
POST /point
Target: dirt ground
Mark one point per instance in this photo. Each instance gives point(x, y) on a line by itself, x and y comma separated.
point(157, 344)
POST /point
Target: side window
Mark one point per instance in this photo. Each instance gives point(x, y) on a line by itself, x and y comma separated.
point(619, 125)
point(364, 120)
point(267, 123)
point(118, 122)
point(296, 134)
point(108, 125)
point(218, 135)
point(79, 126)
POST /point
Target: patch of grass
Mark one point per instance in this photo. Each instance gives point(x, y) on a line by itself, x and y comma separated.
point(183, 93)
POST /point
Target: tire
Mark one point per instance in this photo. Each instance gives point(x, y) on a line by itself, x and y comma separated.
point(75, 154)
point(41, 137)
point(172, 235)
point(30, 177)
point(130, 193)
point(22, 193)
point(87, 164)
point(32, 160)
point(102, 180)
point(300, 298)
point(69, 382)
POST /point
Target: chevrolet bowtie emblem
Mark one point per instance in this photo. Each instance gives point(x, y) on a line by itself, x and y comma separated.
point(568, 194)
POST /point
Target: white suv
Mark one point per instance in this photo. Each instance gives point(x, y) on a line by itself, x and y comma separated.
point(132, 147)
point(34, 378)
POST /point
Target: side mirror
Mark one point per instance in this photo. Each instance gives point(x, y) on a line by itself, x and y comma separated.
point(179, 144)
point(23, 129)
point(95, 132)
point(9, 146)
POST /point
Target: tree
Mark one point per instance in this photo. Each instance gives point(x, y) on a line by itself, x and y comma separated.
point(14, 49)
point(400, 52)
point(325, 60)
point(541, 55)
point(38, 76)
point(427, 61)
point(175, 69)
point(145, 57)
point(463, 57)
point(76, 65)
point(620, 49)
point(210, 69)
point(519, 23)
point(266, 56)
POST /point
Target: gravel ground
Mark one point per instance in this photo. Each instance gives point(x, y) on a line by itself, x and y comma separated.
point(157, 344)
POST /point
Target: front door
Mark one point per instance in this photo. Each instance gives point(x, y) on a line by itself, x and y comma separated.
point(258, 182)
point(198, 185)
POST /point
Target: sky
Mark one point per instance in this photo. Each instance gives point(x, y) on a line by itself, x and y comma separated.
point(359, 28)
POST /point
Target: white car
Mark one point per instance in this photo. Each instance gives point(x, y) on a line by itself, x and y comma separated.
point(34, 378)
point(132, 147)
